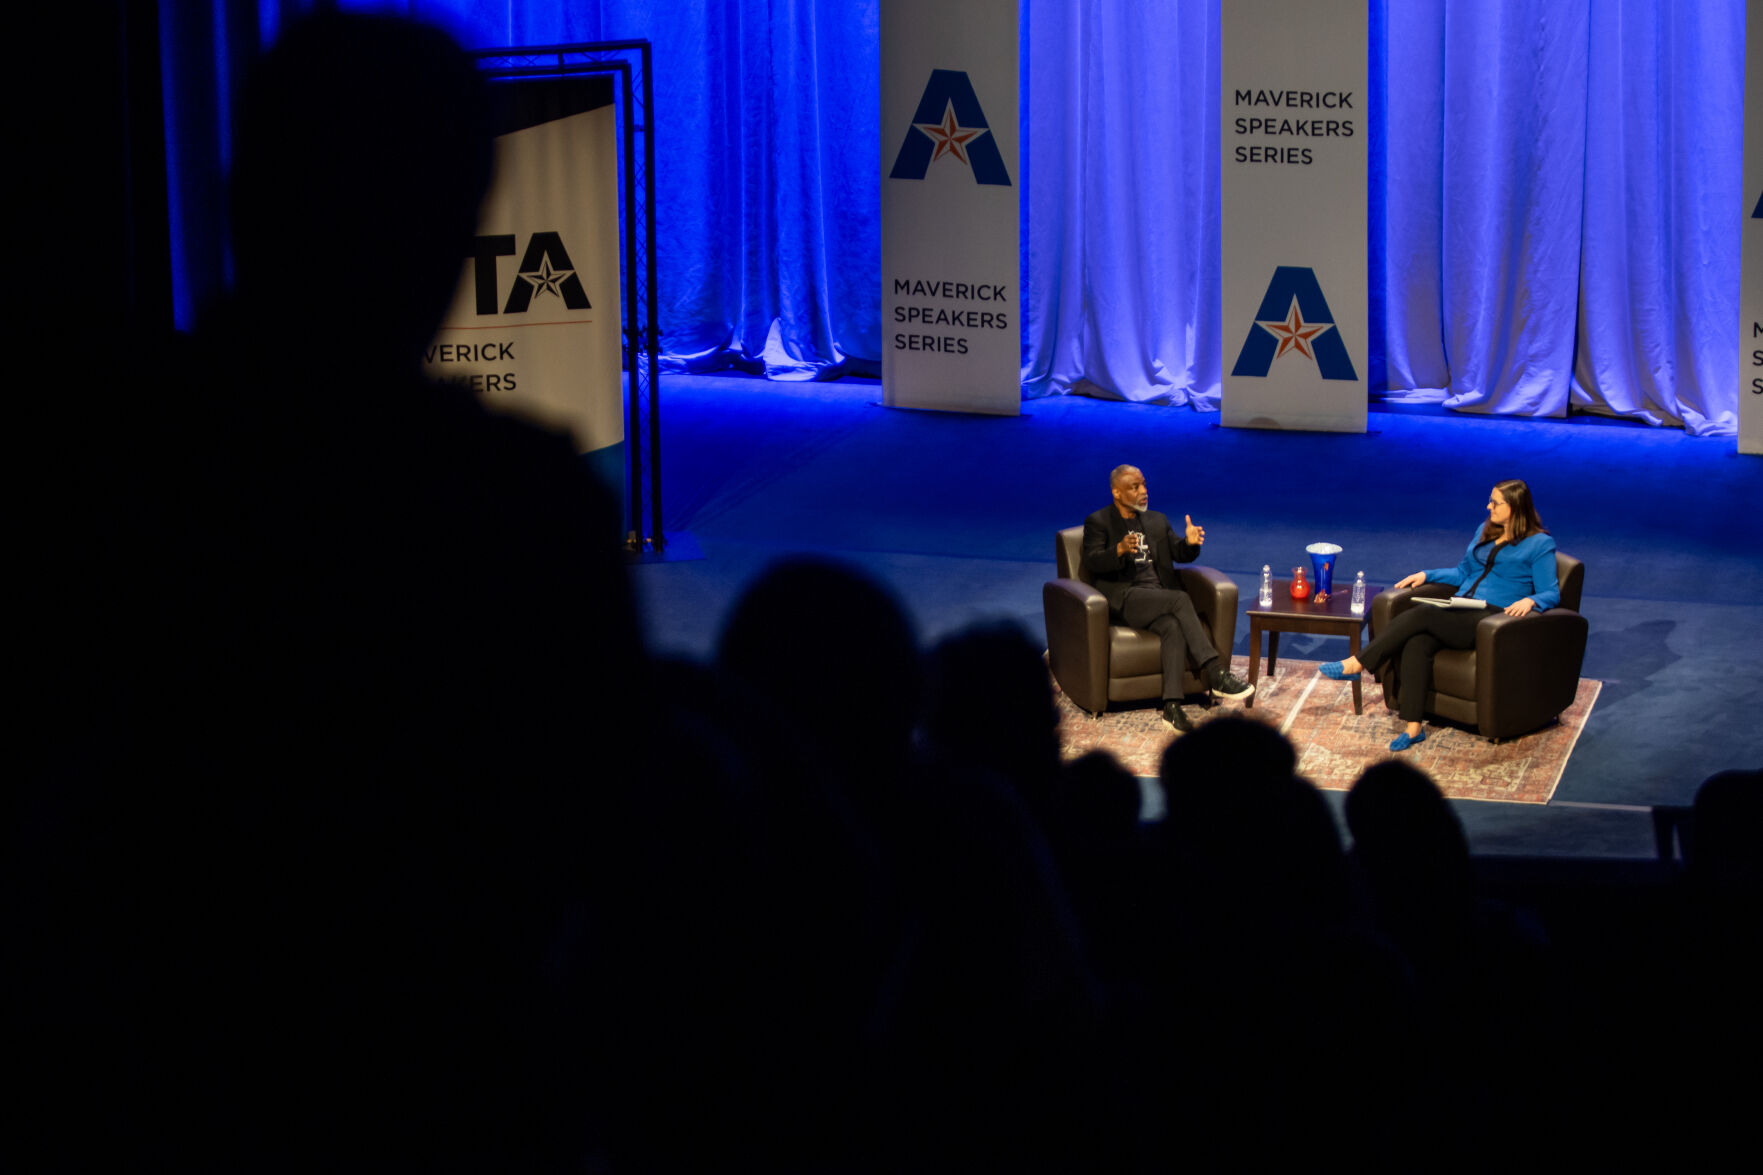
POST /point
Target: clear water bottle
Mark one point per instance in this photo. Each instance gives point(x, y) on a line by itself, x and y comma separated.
point(1359, 594)
point(1266, 598)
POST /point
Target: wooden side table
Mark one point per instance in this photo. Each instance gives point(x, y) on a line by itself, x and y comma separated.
point(1333, 617)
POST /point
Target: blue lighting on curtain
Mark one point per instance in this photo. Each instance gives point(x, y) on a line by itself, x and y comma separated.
point(1554, 210)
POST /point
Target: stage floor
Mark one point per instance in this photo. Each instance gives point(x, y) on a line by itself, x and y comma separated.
point(957, 514)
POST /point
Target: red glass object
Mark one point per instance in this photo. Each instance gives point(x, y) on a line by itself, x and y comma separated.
point(1300, 585)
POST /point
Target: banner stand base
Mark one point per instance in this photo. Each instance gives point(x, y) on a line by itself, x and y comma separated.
point(952, 411)
point(677, 546)
point(1336, 432)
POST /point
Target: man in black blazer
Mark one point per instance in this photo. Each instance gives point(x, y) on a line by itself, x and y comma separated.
point(1131, 552)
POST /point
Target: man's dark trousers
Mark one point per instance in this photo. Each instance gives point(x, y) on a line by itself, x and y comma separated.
point(1172, 617)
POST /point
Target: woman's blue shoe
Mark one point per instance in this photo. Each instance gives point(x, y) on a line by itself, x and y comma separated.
point(1332, 671)
point(1402, 741)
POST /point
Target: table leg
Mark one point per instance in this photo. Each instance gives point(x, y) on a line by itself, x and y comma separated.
point(1254, 658)
point(1358, 703)
point(1272, 650)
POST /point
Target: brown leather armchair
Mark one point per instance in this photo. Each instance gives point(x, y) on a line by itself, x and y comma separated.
point(1522, 672)
point(1096, 662)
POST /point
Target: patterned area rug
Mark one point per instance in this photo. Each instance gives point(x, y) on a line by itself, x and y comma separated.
point(1334, 744)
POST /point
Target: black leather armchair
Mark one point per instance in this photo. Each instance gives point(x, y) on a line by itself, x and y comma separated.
point(1097, 662)
point(1522, 672)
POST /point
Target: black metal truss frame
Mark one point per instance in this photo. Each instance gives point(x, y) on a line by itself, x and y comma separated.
point(630, 62)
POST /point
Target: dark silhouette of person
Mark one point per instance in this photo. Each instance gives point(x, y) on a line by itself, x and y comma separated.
point(836, 651)
point(1093, 828)
point(1251, 881)
point(1415, 857)
point(984, 1017)
point(746, 951)
point(1475, 961)
point(351, 653)
point(1728, 823)
point(989, 706)
point(1715, 921)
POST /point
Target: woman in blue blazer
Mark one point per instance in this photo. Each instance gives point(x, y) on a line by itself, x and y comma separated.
point(1510, 564)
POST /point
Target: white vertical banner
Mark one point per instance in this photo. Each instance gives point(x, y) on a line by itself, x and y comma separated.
point(951, 321)
point(534, 324)
point(1751, 271)
point(1293, 76)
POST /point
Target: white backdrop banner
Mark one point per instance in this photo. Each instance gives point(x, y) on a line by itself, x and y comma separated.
point(1751, 272)
point(1293, 76)
point(951, 321)
point(534, 324)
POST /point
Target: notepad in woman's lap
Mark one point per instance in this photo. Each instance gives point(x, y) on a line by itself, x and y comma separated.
point(1453, 602)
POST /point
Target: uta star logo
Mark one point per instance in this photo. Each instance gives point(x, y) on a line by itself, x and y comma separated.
point(950, 136)
point(1318, 340)
point(949, 120)
point(546, 280)
point(1294, 334)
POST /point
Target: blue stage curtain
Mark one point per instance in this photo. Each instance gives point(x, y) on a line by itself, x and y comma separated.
point(1490, 129)
point(1121, 266)
point(1562, 207)
point(1554, 203)
point(204, 50)
point(1659, 276)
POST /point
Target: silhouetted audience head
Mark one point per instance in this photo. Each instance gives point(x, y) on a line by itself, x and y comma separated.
point(989, 703)
point(364, 151)
point(1226, 749)
point(1260, 837)
point(1728, 851)
point(1093, 830)
point(1412, 848)
point(1401, 820)
point(1106, 793)
point(835, 651)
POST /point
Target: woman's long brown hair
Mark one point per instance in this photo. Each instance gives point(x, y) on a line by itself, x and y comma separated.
point(1522, 522)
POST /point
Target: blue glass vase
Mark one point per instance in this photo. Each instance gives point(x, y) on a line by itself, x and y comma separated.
point(1322, 556)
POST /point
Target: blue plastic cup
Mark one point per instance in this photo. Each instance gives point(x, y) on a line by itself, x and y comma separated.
point(1322, 557)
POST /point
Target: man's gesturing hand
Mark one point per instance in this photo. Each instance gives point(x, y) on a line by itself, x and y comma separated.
point(1196, 535)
